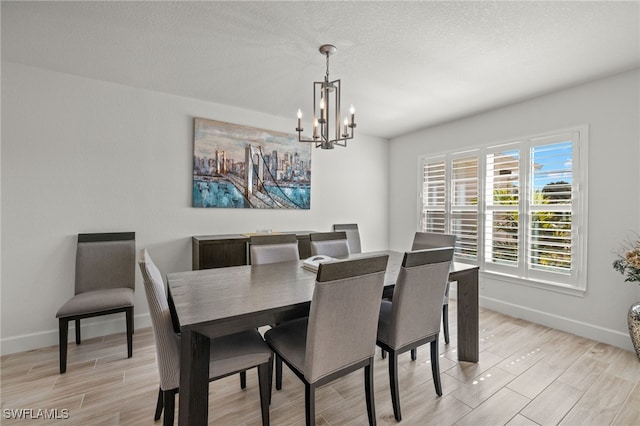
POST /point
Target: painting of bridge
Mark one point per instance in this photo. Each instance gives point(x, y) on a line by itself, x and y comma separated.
point(237, 166)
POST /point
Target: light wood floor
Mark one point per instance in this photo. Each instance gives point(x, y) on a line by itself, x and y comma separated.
point(527, 375)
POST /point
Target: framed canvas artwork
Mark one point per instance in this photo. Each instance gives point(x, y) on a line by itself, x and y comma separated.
point(237, 166)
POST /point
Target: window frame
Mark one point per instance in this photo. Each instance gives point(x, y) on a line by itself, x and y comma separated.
point(575, 281)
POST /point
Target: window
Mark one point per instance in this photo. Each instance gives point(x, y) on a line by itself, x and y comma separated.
point(464, 205)
point(502, 207)
point(516, 208)
point(433, 196)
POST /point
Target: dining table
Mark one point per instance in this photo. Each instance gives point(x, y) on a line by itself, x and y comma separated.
point(216, 302)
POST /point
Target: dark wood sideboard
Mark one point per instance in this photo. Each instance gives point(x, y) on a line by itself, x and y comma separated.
point(219, 251)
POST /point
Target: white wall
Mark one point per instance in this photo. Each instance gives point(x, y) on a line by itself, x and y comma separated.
point(81, 155)
point(611, 109)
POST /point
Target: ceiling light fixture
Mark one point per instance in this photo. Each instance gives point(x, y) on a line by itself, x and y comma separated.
point(326, 98)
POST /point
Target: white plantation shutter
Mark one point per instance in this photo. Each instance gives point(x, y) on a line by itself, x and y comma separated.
point(463, 221)
point(502, 195)
point(515, 208)
point(433, 197)
point(551, 205)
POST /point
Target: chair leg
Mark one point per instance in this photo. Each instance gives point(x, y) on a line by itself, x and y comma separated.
point(393, 384)
point(77, 332)
point(445, 323)
point(310, 404)
point(368, 390)
point(63, 331)
point(270, 378)
point(159, 405)
point(243, 379)
point(414, 354)
point(435, 366)
point(129, 314)
point(383, 353)
point(278, 372)
point(169, 407)
point(264, 384)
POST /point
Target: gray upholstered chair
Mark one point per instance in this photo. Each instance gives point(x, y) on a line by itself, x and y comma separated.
point(412, 319)
point(229, 354)
point(353, 235)
point(427, 240)
point(267, 249)
point(339, 335)
point(104, 284)
point(273, 249)
point(334, 244)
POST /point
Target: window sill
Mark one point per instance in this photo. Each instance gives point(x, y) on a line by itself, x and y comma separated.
point(544, 285)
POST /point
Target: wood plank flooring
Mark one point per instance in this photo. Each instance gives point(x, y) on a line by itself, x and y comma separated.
point(527, 375)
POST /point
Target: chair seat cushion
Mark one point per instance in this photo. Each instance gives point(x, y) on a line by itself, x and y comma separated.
point(237, 352)
point(289, 340)
point(96, 301)
point(384, 322)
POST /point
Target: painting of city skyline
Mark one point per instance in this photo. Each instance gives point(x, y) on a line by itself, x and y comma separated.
point(238, 166)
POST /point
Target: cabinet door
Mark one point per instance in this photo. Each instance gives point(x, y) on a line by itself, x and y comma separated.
point(220, 255)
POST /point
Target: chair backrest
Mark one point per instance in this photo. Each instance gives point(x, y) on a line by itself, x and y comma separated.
point(105, 261)
point(418, 295)
point(273, 248)
point(343, 317)
point(353, 235)
point(167, 341)
point(427, 240)
point(332, 244)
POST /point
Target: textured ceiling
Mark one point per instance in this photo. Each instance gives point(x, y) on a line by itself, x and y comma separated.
point(404, 65)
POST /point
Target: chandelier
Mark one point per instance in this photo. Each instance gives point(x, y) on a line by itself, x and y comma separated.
point(327, 131)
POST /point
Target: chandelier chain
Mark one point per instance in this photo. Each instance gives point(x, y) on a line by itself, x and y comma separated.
point(327, 66)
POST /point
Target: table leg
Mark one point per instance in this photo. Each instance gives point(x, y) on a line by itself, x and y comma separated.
point(194, 379)
point(468, 316)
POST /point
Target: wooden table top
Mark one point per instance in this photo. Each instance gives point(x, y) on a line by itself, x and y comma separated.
point(207, 296)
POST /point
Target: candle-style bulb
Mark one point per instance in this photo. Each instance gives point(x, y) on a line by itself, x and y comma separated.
point(299, 128)
point(323, 111)
point(352, 111)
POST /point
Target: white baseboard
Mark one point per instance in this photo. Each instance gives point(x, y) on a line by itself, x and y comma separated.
point(90, 329)
point(569, 325)
point(43, 339)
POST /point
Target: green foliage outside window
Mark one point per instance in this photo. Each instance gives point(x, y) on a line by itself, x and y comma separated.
point(551, 230)
point(550, 239)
